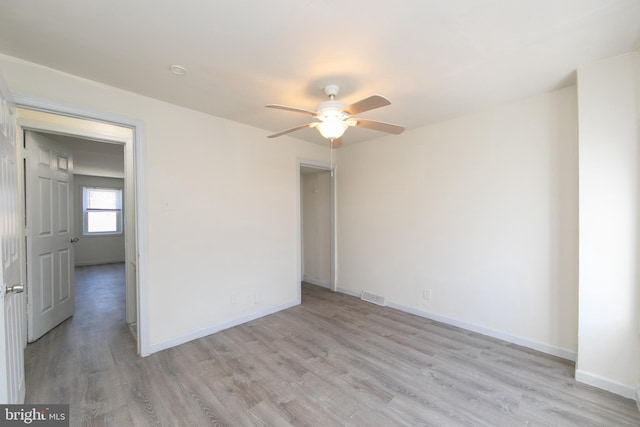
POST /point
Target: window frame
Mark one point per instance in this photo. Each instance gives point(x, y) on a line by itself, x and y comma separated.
point(86, 211)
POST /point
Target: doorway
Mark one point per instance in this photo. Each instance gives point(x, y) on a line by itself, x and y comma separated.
point(317, 224)
point(99, 132)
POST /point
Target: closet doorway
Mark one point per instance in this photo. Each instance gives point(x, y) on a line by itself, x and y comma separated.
point(317, 225)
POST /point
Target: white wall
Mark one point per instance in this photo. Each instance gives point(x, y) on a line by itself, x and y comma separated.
point(609, 346)
point(316, 227)
point(222, 207)
point(480, 210)
point(92, 250)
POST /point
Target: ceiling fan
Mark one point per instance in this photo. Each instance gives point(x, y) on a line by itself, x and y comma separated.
point(333, 117)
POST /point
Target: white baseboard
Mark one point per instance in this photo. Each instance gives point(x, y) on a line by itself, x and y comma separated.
point(316, 282)
point(606, 384)
point(153, 348)
point(513, 339)
point(349, 292)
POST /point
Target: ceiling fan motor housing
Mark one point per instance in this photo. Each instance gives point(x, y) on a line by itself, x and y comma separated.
point(331, 109)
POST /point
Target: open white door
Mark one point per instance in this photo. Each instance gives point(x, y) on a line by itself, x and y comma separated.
point(12, 306)
point(50, 265)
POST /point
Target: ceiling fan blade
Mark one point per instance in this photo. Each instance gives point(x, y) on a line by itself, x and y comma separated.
point(294, 109)
point(337, 143)
point(374, 101)
point(381, 126)
point(284, 132)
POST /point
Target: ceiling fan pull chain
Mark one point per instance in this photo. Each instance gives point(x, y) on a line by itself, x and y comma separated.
point(332, 155)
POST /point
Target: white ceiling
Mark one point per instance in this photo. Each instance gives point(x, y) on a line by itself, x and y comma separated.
point(93, 157)
point(433, 59)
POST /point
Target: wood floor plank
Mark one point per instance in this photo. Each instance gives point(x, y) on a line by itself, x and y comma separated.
point(305, 412)
point(267, 414)
point(332, 361)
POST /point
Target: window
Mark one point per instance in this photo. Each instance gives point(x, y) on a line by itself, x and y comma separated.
point(102, 211)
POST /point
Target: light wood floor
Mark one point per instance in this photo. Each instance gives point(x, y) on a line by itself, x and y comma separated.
point(332, 361)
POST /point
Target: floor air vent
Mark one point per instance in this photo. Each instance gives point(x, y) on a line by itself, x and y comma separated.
point(373, 298)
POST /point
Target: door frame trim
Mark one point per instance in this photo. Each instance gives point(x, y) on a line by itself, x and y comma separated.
point(332, 206)
point(139, 188)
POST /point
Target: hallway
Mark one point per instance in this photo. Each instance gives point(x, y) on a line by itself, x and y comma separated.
point(78, 357)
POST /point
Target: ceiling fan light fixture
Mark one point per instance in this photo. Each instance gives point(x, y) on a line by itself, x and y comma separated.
point(332, 124)
point(332, 127)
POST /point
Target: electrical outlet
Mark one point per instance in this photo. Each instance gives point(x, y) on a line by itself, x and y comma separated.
point(234, 299)
point(426, 294)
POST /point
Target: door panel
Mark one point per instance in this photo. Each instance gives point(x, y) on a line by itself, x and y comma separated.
point(46, 284)
point(45, 213)
point(49, 180)
point(65, 262)
point(12, 305)
point(64, 224)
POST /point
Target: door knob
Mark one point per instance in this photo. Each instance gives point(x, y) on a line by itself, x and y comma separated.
point(15, 289)
point(74, 240)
